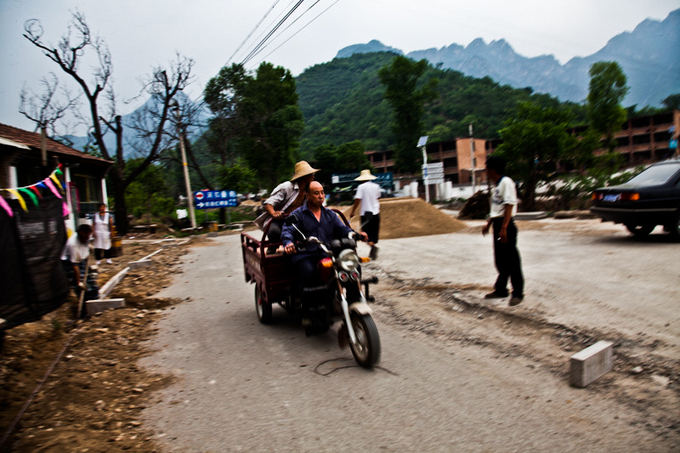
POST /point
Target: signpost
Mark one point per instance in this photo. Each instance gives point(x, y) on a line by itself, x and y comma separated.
point(433, 173)
point(211, 199)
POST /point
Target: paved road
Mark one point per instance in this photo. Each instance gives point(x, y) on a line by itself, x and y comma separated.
point(243, 386)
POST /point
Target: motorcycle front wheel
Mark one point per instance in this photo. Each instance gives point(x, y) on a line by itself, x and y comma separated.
point(367, 349)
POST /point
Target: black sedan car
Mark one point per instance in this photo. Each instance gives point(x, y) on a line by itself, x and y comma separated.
point(649, 199)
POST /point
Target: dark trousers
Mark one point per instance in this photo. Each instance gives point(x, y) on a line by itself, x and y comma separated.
point(98, 253)
point(370, 224)
point(306, 271)
point(507, 259)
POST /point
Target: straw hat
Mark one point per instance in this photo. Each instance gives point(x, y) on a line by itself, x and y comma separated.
point(302, 168)
point(365, 176)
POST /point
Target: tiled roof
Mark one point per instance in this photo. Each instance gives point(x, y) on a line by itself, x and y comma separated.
point(32, 140)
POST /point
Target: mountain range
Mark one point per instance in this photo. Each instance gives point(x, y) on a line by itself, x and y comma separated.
point(649, 56)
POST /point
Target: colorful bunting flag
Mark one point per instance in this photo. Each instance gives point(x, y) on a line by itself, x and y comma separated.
point(6, 207)
point(34, 194)
point(19, 198)
point(33, 198)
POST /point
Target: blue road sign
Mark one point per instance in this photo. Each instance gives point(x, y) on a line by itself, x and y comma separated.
point(211, 199)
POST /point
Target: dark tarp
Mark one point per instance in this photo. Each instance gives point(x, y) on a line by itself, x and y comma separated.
point(32, 279)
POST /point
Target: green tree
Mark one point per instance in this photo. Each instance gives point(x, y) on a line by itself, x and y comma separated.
point(238, 176)
point(273, 124)
point(407, 99)
point(346, 158)
point(672, 102)
point(607, 90)
point(151, 192)
point(535, 138)
point(257, 119)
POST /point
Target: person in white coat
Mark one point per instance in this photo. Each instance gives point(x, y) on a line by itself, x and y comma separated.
point(102, 234)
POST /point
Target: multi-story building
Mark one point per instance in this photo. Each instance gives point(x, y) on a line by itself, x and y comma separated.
point(645, 139)
point(455, 154)
point(641, 140)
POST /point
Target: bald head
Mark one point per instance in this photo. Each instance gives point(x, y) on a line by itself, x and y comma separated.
point(315, 195)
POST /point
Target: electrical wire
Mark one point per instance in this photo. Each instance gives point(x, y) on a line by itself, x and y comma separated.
point(276, 2)
point(287, 27)
point(266, 38)
point(302, 28)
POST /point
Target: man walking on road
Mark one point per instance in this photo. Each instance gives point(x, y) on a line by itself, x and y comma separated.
point(506, 255)
point(367, 196)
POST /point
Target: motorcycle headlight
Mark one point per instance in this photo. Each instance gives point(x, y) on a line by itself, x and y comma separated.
point(348, 260)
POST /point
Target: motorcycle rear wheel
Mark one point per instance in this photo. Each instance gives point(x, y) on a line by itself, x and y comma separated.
point(262, 307)
point(367, 350)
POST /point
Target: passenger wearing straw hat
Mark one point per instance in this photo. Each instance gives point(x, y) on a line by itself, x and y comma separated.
point(367, 196)
point(285, 198)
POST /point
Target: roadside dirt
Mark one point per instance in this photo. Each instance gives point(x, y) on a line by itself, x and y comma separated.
point(92, 399)
point(451, 316)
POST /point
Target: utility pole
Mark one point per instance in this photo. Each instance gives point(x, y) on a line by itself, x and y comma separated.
point(187, 182)
point(422, 142)
point(473, 161)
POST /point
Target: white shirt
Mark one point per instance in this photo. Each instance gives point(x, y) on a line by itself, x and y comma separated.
point(74, 250)
point(503, 193)
point(281, 198)
point(368, 193)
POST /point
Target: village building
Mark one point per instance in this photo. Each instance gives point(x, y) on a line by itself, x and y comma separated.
point(23, 163)
point(642, 140)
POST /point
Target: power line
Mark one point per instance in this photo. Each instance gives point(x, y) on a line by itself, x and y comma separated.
point(302, 28)
point(278, 25)
point(287, 27)
point(253, 31)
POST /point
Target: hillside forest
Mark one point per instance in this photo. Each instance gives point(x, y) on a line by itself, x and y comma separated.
point(264, 121)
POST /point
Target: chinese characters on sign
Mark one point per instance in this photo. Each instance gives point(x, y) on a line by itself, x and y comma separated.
point(211, 199)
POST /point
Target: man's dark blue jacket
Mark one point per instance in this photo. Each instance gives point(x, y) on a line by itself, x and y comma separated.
point(326, 229)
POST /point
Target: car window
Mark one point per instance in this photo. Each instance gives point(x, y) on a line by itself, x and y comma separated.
point(655, 175)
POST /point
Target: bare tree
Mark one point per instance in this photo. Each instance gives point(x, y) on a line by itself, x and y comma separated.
point(43, 108)
point(163, 86)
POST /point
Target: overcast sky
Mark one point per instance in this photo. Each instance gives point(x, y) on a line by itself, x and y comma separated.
point(142, 34)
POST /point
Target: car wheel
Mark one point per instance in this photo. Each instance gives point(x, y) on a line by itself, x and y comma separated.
point(640, 231)
point(673, 228)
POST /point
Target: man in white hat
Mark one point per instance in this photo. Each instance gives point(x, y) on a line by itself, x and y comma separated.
point(284, 199)
point(367, 196)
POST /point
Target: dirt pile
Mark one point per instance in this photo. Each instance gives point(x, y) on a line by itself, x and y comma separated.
point(409, 217)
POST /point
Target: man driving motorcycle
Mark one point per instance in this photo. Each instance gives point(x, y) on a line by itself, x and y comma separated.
point(313, 219)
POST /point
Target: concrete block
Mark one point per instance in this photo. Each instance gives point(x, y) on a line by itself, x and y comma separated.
point(149, 256)
point(531, 215)
point(99, 305)
point(105, 290)
point(589, 364)
point(140, 263)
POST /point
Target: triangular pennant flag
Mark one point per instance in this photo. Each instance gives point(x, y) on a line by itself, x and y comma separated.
point(6, 207)
point(30, 194)
point(54, 178)
point(35, 190)
point(58, 170)
point(52, 188)
point(19, 197)
point(64, 209)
